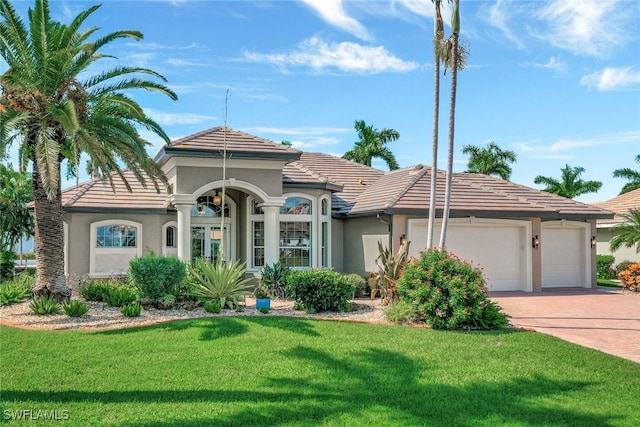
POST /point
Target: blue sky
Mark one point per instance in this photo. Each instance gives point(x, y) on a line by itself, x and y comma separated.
point(556, 81)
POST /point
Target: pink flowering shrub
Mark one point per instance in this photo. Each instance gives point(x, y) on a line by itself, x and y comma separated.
point(448, 293)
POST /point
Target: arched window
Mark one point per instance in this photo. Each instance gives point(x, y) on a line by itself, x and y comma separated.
point(210, 207)
point(170, 238)
point(113, 244)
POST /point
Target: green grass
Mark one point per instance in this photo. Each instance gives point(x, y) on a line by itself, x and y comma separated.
point(272, 371)
point(609, 283)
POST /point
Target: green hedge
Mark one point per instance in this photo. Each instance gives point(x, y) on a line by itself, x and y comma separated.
point(320, 290)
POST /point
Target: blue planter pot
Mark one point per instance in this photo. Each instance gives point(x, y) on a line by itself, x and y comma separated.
point(263, 302)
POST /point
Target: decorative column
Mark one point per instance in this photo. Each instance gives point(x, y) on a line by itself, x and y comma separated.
point(271, 234)
point(183, 204)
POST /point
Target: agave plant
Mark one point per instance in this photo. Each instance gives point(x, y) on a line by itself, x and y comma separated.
point(222, 282)
point(274, 278)
point(389, 269)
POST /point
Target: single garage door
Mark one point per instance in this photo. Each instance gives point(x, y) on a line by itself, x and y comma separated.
point(496, 246)
point(565, 254)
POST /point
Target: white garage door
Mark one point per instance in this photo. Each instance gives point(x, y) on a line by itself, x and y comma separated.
point(564, 255)
point(496, 246)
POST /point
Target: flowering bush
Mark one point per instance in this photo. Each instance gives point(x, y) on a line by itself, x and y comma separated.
point(450, 293)
point(631, 277)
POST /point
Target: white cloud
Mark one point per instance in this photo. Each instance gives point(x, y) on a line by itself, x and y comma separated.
point(561, 148)
point(334, 13)
point(168, 119)
point(499, 16)
point(585, 27)
point(611, 78)
point(345, 56)
point(299, 131)
point(552, 63)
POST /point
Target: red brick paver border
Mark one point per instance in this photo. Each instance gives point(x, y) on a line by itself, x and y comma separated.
point(603, 319)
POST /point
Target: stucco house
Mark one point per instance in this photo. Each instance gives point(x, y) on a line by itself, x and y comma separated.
point(620, 205)
point(318, 210)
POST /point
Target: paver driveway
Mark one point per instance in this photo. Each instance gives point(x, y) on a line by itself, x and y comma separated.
point(605, 319)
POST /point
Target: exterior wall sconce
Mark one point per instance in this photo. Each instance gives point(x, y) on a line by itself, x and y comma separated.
point(535, 242)
point(403, 239)
point(217, 199)
point(593, 241)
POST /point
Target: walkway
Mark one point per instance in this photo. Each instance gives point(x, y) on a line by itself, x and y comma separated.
point(605, 319)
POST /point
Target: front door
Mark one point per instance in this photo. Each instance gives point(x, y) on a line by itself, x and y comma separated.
point(206, 240)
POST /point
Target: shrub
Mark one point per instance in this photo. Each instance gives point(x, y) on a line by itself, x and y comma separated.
point(319, 290)
point(264, 310)
point(274, 278)
point(630, 278)
point(212, 307)
point(7, 265)
point(401, 312)
point(131, 310)
point(359, 284)
point(74, 308)
point(44, 305)
point(604, 266)
point(97, 290)
point(450, 293)
point(16, 290)
point(166, 302)
point(622, 266)
point(261, 292)
point(389, 268)
point(121, 295)
point(221, 282)
point(157, 275)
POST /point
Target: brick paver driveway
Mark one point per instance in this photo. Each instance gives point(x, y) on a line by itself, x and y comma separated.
point(605, 319)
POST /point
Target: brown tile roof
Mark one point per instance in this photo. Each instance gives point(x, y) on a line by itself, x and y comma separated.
point(96, 195)
point(620, 205)
point(353, 177)
point(210, 142)
point(408, 190)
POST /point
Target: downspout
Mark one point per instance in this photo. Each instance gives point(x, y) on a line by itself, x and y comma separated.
point(389, 229)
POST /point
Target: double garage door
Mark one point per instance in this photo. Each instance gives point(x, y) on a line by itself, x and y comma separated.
point(503, 248)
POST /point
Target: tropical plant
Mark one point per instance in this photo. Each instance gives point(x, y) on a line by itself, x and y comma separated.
point(45, 305)
point(56, 114)
point(166, 302)
point(622, 266)
point(570, 184)
point(7, 265)
point(490, 160)
point(212, 307)
point(317, 291)
point(97, 290)
point(359, 284)
point(121, 296)
point(389, 270)
point(16, 220)
point(633, 176)
point(274, 278)
point(16, 289)
point(627, 233)
point(604, 265)
point(261, 292)
point(630, 278)
point(448, 292)
point(156, 276)
point(264, 310)
point(372, 144)
point(131, 310)
point(223, 282)
point(74, 308)
point(402, 312)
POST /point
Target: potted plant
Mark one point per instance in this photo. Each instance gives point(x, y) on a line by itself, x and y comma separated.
point(262, 297)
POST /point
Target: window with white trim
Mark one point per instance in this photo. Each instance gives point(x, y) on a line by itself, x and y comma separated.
point(296, 220)
point(170, 237)
point(116, 236)
point(324, 233)
point(257, 235)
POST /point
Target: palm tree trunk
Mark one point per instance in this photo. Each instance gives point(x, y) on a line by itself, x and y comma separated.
point(452, 126)
point(49, 242)
point(439, 30)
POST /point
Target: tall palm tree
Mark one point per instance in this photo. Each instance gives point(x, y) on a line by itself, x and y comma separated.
point(490, 160)
point(439, 54)
point(372, 143)
point(54, 115)
point(627, 233)
point(570, 184)
point(630, 175)
point(451, 61)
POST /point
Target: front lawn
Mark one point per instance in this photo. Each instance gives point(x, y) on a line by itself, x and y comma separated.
point(250, 371)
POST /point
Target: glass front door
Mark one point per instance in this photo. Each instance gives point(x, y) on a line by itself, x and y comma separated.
point(206, 240)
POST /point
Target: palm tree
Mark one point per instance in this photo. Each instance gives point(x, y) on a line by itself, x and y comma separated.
point(490, 160)
point(570, 185)
point(438, 56)
point(372, 143)
point(54, 115)
point(627, 233)
point(630, 175)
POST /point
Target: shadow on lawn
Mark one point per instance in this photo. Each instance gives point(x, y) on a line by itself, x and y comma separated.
point(372, 386)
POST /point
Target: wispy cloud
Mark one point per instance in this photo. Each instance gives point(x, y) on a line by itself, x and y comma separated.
point(553, 63)
point(304, 137)
point(317, 54)
point(334, 13)
point(611, 78)
point(585, 27)
point(168, 119)
point(499, 16)
point(562, 148)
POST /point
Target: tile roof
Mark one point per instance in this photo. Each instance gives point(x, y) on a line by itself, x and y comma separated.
point(620, 205)
point(96, 194)
point(210, 143)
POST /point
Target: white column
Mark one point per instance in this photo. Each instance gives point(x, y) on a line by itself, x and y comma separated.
point(271, 234)
point(183, 204)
